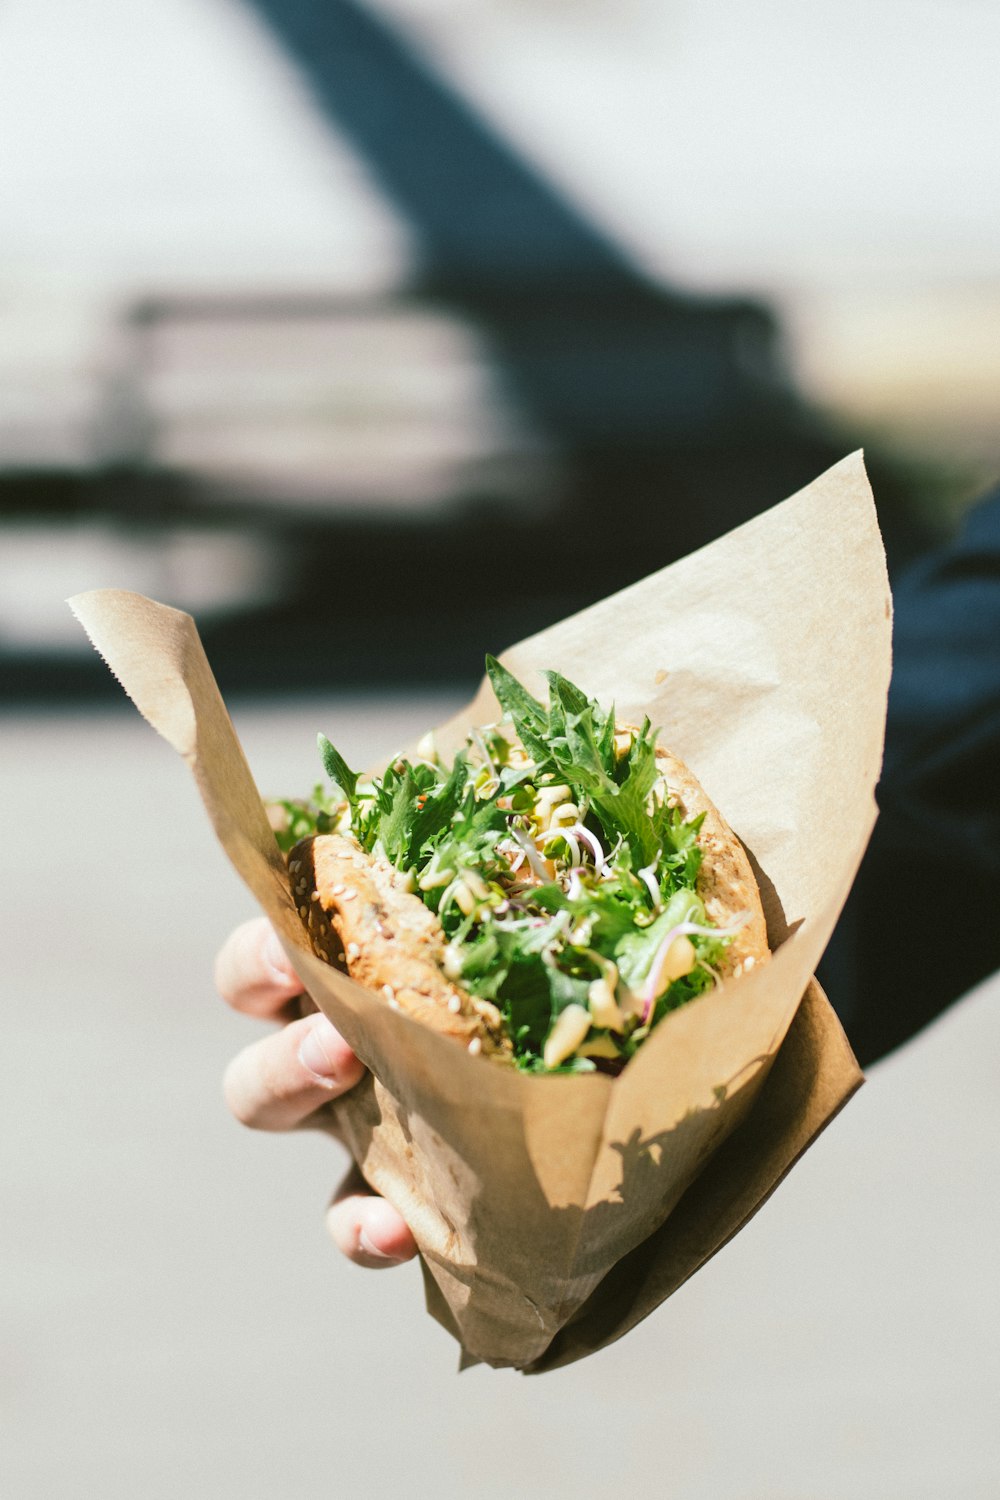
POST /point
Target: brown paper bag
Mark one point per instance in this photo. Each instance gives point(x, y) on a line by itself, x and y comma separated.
point(553, 1213)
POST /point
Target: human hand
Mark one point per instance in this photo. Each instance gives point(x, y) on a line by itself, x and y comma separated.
point(290, 1079)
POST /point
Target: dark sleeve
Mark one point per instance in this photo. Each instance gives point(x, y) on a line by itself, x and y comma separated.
point(922, 925)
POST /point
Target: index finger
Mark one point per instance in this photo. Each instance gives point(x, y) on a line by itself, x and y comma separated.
point(252, 972)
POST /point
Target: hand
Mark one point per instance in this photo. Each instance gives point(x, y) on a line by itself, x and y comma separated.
point(283, 1080)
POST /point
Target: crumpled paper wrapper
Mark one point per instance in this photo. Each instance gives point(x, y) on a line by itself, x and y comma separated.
point(553, 1213)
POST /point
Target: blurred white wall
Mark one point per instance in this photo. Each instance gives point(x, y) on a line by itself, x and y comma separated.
point(839, 158)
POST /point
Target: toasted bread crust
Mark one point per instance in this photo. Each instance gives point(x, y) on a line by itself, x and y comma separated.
point(726, 882)
point(361, 919)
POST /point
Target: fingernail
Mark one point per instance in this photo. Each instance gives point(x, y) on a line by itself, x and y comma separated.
point(370, 1248)
point(277, 961)
point(316, 1052)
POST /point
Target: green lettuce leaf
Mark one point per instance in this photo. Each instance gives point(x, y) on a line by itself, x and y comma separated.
point(338, 770)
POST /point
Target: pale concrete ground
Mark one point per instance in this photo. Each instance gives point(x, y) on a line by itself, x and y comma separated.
point(175, 1324)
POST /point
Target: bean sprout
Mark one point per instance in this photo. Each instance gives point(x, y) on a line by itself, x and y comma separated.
point(487, 757)
point(594, 844)
point(647, 993)
point(647, 876)
point(530, 853)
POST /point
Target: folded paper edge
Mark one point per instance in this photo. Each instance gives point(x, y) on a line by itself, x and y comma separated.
point(815, 1036)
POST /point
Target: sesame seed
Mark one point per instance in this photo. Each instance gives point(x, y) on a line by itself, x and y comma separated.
point(455, 1004)
point(353, 951)
point(748, 963)
point(349, 895)
point(475, 1046)
point(338, 890)
point(394, 1003)
point(303, 912)
point(388, 992)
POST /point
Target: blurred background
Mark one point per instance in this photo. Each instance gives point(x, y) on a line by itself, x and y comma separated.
point(480, 310)
point(378, 335)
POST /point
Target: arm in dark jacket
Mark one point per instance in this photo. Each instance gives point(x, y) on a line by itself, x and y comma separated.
point(922, 925)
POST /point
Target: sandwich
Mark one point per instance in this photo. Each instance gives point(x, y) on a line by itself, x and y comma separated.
point(545, 900)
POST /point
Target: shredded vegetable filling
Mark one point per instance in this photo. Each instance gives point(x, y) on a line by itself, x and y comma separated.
point(559, 865)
